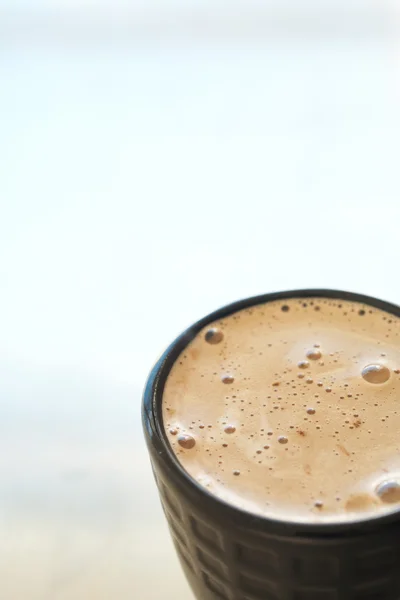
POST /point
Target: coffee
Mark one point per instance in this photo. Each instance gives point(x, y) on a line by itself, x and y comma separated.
point(291, 410)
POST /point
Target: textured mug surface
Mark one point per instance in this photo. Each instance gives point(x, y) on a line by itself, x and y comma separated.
point(229, 554)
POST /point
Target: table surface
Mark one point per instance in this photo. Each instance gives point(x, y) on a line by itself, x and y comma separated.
point(145, 182)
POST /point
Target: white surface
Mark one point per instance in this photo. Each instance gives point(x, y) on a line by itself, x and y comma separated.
point(143, 185)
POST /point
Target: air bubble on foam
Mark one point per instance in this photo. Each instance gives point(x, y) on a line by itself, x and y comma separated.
point(389, 491)
point(230, 429)
point(313, 354)
point(186, 441)
point(375, 373)
point(303, 364)
point(214, 335)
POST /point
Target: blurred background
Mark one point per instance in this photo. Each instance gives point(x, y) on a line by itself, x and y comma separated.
point(159, 158)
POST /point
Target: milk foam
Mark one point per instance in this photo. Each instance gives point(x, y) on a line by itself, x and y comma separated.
point(291, 410)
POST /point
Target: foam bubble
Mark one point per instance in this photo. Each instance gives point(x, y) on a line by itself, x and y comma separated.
point(227, 379)
point(186, 441)
point(314, 354)
point(389, 491)
point(375, 373)
point(303, 364)
point(214, 335)
point(282, 439)
point(230, 429)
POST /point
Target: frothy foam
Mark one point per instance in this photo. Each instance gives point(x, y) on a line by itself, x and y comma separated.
point(291, 409)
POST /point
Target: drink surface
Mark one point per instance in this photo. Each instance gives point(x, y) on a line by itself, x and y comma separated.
point(291, 410)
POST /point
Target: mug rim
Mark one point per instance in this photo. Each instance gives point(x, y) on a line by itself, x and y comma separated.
point(159, 445)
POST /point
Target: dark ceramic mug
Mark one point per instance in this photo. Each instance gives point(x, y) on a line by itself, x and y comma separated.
point(230, 554)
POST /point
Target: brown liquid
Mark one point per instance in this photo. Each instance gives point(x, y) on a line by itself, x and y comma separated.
point(294, 410)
